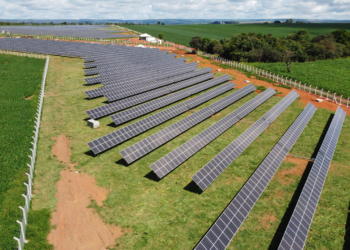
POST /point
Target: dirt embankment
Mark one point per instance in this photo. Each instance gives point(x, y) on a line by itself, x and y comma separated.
point(76, 226)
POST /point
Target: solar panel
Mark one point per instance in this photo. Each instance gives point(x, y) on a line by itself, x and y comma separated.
point(148, 107)
point(298, 227)
point(136, 88)
point(150, 143)
point(212, 170)
point(231, 219)
point(144, 97)
point(105, 142)
point(176, 157)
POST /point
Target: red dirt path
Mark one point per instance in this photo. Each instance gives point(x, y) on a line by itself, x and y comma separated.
point(78, 227)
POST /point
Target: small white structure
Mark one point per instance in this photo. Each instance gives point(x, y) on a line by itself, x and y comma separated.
point(151, 39)
point(160, 42)
point(93, 124)
point(140, 46)
point(319, 100)
point(219, 70)
point(144, 36)
point(3, 32)
point(246, 81)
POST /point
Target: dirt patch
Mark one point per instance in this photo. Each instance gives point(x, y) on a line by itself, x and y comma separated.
point(29, 97)
point(286, 176)
point(78, 227)
point(266, 220)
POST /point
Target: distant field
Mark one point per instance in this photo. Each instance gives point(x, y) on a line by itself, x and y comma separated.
point(182, 34)
point(20, 79)
point(332, 75)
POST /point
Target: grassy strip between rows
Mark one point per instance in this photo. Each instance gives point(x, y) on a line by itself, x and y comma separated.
point(20, 79)
point(166, 214)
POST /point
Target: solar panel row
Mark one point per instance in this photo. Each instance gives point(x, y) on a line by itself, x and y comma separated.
point(228, 223)
point(121, 91)
point(144, 97)
point(150, 143)
point(148, 107)
point(212, 170)
point(176, 157)
point(298, 227)
point(105, 142)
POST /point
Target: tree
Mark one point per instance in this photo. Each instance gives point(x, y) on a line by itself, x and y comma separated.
point(288, 57)
point(277, 22)
point(160, 35)
point(196, 42)
point(342, 36)
point(158, 23)
point(163, 23)
point(289, 21)
point(64, 23)
point(147, 23)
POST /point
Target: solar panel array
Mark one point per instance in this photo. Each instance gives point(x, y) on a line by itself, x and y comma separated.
point(172, 160)
point(148, 144)
point(298, 227)
point(148, 107)
point(91, 31)
point(140, 98)
point(228, 223)
point(120, 91)
point(212, 170)
point(106, 142)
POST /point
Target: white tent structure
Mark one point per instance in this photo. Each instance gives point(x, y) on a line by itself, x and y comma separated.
point(144, 36)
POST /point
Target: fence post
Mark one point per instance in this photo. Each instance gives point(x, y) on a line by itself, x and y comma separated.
point(321, 93)
point(316, 91)
point(310, 89)
point(340, 99)
point(347, 105)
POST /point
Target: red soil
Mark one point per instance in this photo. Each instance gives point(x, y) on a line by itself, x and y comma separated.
point(78, 227)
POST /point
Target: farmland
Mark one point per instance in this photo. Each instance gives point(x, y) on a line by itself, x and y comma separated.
point(166, 214)
point(332, 75)
point(182, 34)
point(20, 79)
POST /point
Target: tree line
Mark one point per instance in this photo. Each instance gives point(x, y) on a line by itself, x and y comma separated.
point(258, 47)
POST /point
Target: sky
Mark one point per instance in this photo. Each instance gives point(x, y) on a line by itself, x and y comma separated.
point(174, 9)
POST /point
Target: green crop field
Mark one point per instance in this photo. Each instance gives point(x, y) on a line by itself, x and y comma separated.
point(165, 214)
point(20, 78)
point(332, 75)
point(182, 34)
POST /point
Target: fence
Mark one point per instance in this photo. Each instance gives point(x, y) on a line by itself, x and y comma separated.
point(283, 80)
point(27, 197)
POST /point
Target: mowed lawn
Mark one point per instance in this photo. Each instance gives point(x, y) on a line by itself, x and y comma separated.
point(166, 214)
point(20, 79)
point(182, 34)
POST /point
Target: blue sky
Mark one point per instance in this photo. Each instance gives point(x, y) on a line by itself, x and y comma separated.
point(179, 9)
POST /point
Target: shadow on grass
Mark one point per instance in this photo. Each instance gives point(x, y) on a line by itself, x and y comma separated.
point(288, 214)
point(122, 162)
point(347, 232)
point(90, 153)
point(152, 176)
point(192, 187)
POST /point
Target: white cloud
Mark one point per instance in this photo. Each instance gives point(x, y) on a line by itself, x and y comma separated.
point(189, 9)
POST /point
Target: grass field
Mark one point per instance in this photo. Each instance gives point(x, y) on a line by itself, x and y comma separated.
point(332, 75)
point(164, 215)
point(20, 78)
point(182, 34)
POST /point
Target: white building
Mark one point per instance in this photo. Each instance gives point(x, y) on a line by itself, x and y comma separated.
point(144, 36)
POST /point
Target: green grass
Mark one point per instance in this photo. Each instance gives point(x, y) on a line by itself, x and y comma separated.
point(332, 75)
point(182, 34)
point(20, 77)
point(162, 215)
